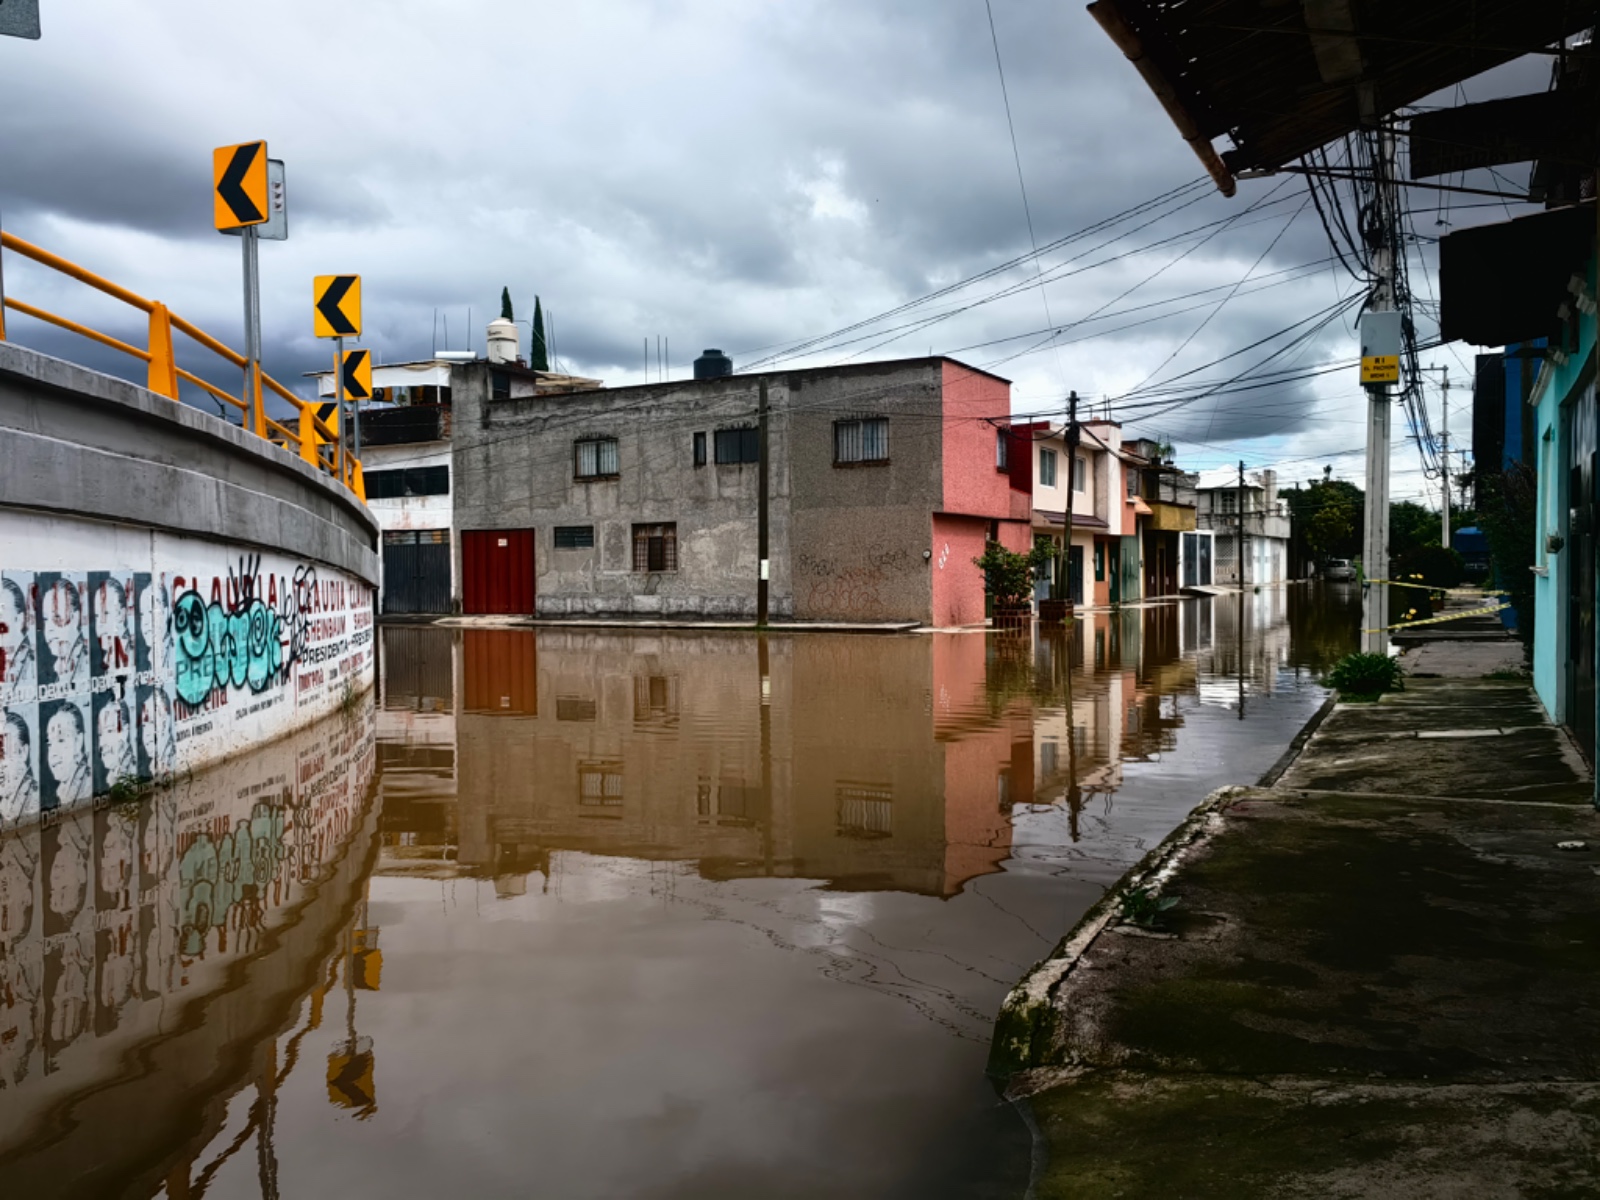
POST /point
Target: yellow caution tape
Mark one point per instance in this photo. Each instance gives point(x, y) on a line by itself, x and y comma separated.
point(1400, 583)
point(1465, 612)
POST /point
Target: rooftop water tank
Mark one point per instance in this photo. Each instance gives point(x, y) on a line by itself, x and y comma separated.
point(713, 364)
point(503, 345)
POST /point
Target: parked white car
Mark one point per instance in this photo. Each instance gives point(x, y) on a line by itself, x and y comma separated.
point(1339, 570)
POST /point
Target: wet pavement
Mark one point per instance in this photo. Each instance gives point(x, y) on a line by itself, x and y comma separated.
point(611, 913)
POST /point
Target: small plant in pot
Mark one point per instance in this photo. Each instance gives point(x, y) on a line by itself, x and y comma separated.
point(1008, 579)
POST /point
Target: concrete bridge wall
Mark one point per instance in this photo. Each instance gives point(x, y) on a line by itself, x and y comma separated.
point(173, 590)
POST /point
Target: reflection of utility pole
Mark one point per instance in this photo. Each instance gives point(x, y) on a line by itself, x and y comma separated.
point(266, 1115)
point(764, 666)
point(1074, 792)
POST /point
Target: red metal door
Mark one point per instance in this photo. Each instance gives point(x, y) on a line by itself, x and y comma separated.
point(497, 571)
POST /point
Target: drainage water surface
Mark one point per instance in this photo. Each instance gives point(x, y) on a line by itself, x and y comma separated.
point(609, 913)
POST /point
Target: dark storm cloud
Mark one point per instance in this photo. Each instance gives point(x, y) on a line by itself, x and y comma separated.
point(712, 171)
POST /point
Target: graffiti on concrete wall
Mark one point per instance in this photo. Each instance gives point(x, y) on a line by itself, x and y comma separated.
point(851, 587)
point(105, 909)
point(108, 675)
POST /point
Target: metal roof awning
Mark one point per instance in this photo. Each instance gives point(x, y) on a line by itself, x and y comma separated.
point(1504, 283)
point(1281, 79)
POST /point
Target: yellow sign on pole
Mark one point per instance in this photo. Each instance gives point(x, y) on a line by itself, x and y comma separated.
point(336, 306)
point(239, 185)
point(1382, 368)
point(357, 369)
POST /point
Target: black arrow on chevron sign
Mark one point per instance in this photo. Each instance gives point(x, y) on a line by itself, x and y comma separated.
point(231, 186)
point(353, 387)
point(328, 306)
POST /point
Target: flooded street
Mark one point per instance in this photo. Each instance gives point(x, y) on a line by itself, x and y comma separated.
point(603, 913)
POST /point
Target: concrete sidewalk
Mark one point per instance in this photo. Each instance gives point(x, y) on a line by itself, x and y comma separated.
point(1380, 978)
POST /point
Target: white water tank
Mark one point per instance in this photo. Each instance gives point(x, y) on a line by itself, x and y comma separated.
point(503, 347)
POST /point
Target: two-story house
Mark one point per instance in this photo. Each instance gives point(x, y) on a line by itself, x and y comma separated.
point(885, 481)
point(1250, 525)
point(405, 430)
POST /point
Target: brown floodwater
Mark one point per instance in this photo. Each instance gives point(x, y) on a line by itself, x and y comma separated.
point(598, 913)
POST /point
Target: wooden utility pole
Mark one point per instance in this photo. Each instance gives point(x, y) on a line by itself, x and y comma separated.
point(762, 476)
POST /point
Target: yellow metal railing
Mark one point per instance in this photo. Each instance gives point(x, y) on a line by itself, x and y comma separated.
point(307, 435)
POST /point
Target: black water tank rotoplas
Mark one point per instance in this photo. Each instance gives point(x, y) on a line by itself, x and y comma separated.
point(713, 364)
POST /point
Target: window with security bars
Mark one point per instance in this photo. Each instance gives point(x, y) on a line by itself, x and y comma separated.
point(574, 537)
point(600, 785)
point(738, 446)
point(655, 547)
point(408, 481)
point(861, 441)
point(595, 458)
point(864, 811)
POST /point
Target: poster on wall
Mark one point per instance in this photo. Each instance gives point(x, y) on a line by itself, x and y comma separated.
point(19, 679)
point(65, 778)
point(63, 634)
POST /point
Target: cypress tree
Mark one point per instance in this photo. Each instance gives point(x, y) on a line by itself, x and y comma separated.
point(538, 356)
point(505, 304)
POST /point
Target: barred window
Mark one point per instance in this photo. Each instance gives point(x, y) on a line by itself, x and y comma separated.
point(595, 458)
point(655, 547)
point(861, 441)
point(574, 537)
point(864, 810)
point(1047, 468)
point(738, 446)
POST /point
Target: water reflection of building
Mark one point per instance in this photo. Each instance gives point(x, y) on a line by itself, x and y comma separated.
point(868, 763)
point(150, 951)
point(1117, 677)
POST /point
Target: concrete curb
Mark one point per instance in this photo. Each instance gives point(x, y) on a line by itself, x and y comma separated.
point(1028, 1019)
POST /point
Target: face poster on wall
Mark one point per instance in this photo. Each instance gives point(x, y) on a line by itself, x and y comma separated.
point(63, 633)
point(19, 764)
point(113, 742)
point(153, 633)
point(19, 677)
point(111, 641)
point(65, 778)
point(156, 748)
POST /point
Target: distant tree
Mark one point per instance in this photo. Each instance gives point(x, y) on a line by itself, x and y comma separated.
point(538, 352)
point(505, 305)
point(1411, 527)
point(1329, 513)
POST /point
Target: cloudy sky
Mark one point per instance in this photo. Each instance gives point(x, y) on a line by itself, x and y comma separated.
point(751, 176)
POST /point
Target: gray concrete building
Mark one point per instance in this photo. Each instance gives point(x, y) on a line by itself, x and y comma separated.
point(885, 482)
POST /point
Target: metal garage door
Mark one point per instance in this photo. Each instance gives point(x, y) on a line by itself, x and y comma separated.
point(416, 571)
point(497, 571)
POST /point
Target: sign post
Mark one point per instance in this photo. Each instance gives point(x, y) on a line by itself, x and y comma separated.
point(336, 314)
point(240, 202)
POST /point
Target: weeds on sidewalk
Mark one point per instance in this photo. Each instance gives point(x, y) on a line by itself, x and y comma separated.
point(1142, 907)
point(1365, 676)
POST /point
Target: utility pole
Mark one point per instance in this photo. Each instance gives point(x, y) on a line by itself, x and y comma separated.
point(1239, 610)
point(1444, 453)
point(1239, 504)
point(762, 475)
point(1380, 340)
